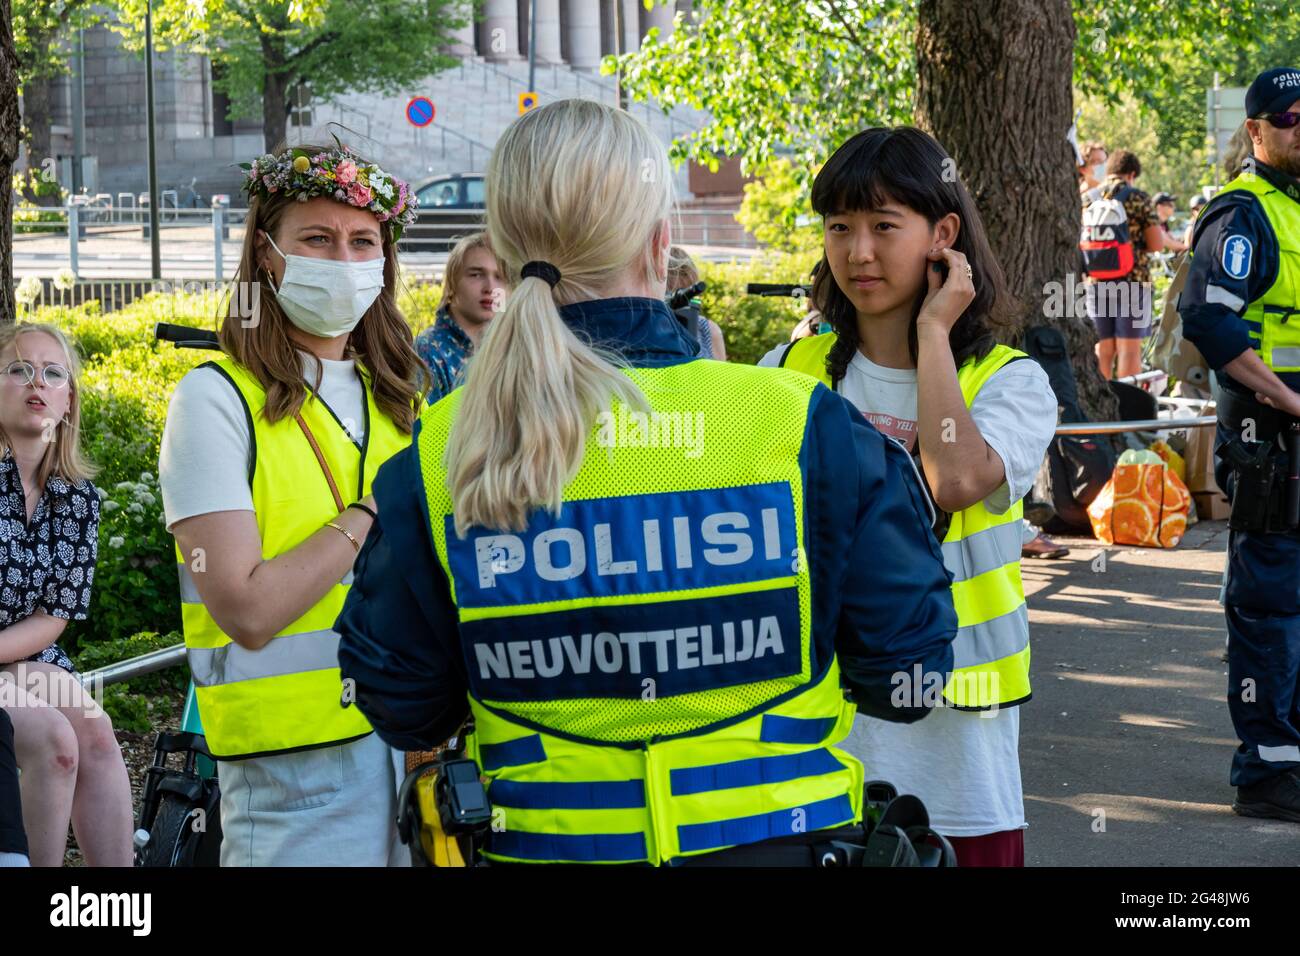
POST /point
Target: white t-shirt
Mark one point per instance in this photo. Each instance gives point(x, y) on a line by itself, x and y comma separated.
point(203, 462)
point(964, 765)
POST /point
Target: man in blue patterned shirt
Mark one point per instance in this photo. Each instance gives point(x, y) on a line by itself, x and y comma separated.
point(473, 290)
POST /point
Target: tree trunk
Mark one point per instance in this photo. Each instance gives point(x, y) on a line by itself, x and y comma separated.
point(994, 87)
point(9, 123)
point(275, 108)
point(37, 117)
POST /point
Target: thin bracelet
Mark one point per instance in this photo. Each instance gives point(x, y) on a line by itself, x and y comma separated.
point(370, 511)
point(338, 527)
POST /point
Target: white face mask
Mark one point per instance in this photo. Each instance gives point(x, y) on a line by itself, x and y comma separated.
point(327, 297)
point(1099, 171)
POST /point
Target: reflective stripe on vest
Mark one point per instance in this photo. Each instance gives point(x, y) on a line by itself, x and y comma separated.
point(982, 552)
point(640, 665)
point(229, 664)
point(286, 695)
point(1273, 320)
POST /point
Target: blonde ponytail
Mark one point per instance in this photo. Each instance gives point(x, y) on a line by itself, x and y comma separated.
point(586, 188)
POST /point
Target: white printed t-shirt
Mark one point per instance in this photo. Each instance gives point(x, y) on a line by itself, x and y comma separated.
point(965, 767)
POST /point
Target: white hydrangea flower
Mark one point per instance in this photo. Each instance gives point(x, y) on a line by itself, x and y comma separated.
point(116, 541)
point(110, 506)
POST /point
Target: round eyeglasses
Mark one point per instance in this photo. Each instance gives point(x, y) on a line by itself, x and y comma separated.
point(24, 373)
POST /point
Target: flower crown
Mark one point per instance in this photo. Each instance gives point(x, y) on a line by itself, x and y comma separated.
point(337, 173)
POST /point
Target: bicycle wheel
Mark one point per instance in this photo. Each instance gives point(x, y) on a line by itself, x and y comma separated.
point(167, 836)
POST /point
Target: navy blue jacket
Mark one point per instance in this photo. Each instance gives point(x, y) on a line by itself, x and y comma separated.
point(1235, 259)
point(880, 592)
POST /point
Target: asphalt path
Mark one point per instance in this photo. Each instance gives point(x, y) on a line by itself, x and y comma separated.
point(1126, 744)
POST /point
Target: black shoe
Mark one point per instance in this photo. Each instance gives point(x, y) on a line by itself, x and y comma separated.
point(1277, 798)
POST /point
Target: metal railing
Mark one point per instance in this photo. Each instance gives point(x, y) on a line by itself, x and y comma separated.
point(1141, 425)
point(150, 663)
point(444, 130)
point(113, 294)
point(111, 240)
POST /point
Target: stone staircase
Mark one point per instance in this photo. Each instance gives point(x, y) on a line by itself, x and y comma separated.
point(474, 103)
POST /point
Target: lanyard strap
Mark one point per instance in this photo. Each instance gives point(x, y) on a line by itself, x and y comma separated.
point(324, 466)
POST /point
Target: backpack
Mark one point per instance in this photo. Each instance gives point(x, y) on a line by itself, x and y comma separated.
point(1104, 240)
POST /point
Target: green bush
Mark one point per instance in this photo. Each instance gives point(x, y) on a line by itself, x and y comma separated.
point(419, 303)
point(126, 398)
point(130, 704)
point(36, 220)
point(103, 653)
point(135, 581)
point(754, 325)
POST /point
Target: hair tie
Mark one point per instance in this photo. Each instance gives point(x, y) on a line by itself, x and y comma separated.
point(542, 270)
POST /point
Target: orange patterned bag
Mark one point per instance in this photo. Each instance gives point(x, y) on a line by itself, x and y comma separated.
point(1145, 503)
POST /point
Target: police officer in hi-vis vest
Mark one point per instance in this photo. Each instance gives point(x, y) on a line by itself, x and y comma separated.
point(1240, 308)
point(265, 468)
point(661, 585)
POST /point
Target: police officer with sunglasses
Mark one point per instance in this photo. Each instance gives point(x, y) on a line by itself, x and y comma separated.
point(1241, 308)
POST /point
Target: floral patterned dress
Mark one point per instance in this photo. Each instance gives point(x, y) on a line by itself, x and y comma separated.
point(47, 564)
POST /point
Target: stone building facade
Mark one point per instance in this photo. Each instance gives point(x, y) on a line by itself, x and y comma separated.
point(197, 144)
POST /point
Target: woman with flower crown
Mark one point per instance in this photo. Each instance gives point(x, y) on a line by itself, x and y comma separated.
point(266, 465)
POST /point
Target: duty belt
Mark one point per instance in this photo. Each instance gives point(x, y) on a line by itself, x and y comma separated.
point(1265, 461)
point(1236, 410)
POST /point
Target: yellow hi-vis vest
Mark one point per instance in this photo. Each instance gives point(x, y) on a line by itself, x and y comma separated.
point(288, 695)
point(642, 675)
point(1273, 320)
point(982, 552)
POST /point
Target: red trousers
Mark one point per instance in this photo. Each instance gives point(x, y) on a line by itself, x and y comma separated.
point(1005, 848)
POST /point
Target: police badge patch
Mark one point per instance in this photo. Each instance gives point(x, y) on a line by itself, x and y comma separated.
point(1236, 256)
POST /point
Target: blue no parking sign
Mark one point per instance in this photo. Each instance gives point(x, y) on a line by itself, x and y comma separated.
point(420, 111)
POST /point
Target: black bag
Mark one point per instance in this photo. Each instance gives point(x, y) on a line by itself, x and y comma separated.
point(1076, 467)
point(180, 810)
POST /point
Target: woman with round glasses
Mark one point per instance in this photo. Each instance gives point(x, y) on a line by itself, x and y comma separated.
point(71, 765)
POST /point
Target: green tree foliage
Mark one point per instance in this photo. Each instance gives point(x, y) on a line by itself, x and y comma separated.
point(793, 79)
point(775, 209)
point(779, 76)
point(39, 28)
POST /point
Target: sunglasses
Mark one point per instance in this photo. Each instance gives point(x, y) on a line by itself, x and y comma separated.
point(1280, 120)
point(24, 373)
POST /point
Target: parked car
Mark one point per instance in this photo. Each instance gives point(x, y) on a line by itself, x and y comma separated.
point(450, 207)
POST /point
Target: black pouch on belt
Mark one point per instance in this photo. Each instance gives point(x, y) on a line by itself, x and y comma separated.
point(1258, 495)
